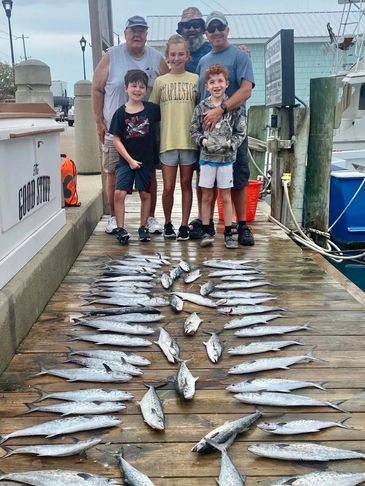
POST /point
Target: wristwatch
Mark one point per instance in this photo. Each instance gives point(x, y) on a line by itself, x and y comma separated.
point(224, 107)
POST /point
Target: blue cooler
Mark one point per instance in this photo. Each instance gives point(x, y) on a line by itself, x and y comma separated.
point(350, 229)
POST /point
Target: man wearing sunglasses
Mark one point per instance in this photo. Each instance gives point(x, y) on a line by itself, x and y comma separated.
point(192, 28)
point(241, 82)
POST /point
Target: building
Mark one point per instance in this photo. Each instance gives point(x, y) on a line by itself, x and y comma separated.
point(314, 46)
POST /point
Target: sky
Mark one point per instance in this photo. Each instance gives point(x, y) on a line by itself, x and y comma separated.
point(53, 28)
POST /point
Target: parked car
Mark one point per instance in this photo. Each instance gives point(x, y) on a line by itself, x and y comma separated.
point(71, 116)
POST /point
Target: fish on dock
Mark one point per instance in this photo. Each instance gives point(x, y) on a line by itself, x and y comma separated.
point(268, 330)
point(76, 408)
point(228, 474)
point(249, 309)
point(132, 358)
point(131, 475)
point(58, 477)
point(185, 382)
point(323, 478)
point(151, 408)
point(272, 384)
point(191, 324)
point(54, 450)
point(100, 363)
point(87, 374)
point(251, 320)
point(261, 347)
point(176, 303)
point(196, 299)
point(118, 327)
point(192, 276)
point(206, 288)
point(214, 346)
point(168, 346)
point(265, 364)
point(301, 426)
point(87, 395)
point(113, 339)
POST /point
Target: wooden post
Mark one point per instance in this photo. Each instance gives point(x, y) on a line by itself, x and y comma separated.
point(257, 126)
point(322, 110)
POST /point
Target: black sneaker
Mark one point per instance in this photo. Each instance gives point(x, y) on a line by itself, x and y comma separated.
point(122, 235)
point(245, 237)
point(144, 234)
point(196, 229)
point(211, 228)
point(183, 234)
point(207, 240)
point(169, 232)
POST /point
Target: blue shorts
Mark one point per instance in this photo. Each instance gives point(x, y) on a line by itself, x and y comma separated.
point(125, 177)
point(241, 171)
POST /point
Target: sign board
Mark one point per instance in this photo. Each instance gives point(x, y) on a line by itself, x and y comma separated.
point(279, 69)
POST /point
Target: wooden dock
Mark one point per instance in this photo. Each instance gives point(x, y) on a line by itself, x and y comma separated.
point(310, 295)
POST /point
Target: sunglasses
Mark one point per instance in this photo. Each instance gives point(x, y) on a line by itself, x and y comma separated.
point(214, 27)
point(194, 25)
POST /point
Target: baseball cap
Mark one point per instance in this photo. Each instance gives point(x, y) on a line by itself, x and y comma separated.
point(136, 21)
point(216, 16)
point(189, 14)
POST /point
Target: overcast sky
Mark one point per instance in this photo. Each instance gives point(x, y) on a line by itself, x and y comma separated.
point(54, 27)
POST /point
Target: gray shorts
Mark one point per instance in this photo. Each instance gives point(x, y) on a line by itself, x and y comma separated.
point(173, 158)
point(110, 156)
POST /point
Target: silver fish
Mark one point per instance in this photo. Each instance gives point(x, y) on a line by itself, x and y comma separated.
point(192, 276)
point(272, 384)
point(87, 374)
point(228, 474)
point(326, 478)
point(132, 476)
point(151, 408)
point(226, 273)
point(113, 339)
point(248, 309)
point(112, 311)
point(175, 273)
point(235, 294)
point(277, 399)
point(264, 364)
point(185, 382)
point(126, 278)
point(301, 426)
point(76, 408)
point(130, 317)
point(303, 451)
point(123, 285)
point(67, 425)
point(224, 432)
point(54, 450)
point(88, 395)
point(241, 285)
point(241, 278)
point(227, 264)
point(214, 346)
point(135, 263)
point(184, 265)
point(166, 281)
point(196, 299)
point(206, 288)
point(134, 359)
point(130, 301)
point(250, 320)
point(120, 327)
point(268, 330)
point(176, 303)
point(242, 302)
point(191, 324)
point(168, 346)
point(99, 363)
point(261, 347)
point(116, 292)
point(58, 477)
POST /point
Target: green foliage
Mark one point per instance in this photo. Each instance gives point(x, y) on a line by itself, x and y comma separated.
point(7, 85)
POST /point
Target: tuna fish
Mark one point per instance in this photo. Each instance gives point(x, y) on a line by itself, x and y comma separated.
point(206, 288)
point(192, 276)
point(59, 477)
point(62, 426)
point(185, 382)
point(168, 346)
point(166, 281)
point(176, 303)
point(303, 451)
point(132, 476)
point(185, 267)
point(175, 273)
point(192, 323)
point(272, 384)
point(54, 450)
point(300, 426)
point(151, 408)
point(214, 346)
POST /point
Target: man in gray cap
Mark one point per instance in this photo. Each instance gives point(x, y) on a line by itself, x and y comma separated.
point(192, 28)
point(241, 83)
point(108, 95)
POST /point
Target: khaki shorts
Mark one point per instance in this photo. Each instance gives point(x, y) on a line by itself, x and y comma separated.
point(110, 156)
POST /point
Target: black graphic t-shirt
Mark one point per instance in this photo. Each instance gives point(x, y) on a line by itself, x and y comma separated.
point(137, 131)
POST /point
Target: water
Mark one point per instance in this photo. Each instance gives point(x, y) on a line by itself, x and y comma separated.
point(353, 271)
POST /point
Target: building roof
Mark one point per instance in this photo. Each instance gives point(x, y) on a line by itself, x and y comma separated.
point(261, 26)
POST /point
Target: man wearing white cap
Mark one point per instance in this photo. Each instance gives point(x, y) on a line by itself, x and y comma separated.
point(108, 95)
point(241, 83)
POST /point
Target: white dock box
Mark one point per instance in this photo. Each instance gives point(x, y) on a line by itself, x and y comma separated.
point(31, 212)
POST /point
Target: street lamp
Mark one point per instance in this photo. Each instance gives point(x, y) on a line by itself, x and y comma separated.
point(8, 5)
point(83, 45)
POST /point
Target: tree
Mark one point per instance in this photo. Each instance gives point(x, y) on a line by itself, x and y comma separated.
point(7, 84)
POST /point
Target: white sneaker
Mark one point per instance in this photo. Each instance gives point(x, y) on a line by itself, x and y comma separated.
point(154, 226)
point(111, 225)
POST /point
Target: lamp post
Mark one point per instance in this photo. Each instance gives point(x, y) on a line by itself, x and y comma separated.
point(83, 45)
point(8, 5)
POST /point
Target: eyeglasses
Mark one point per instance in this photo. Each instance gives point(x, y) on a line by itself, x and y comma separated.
point(212, 28)
point(194, 25)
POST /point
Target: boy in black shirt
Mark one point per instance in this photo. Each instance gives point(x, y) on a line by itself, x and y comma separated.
point(133, 129)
